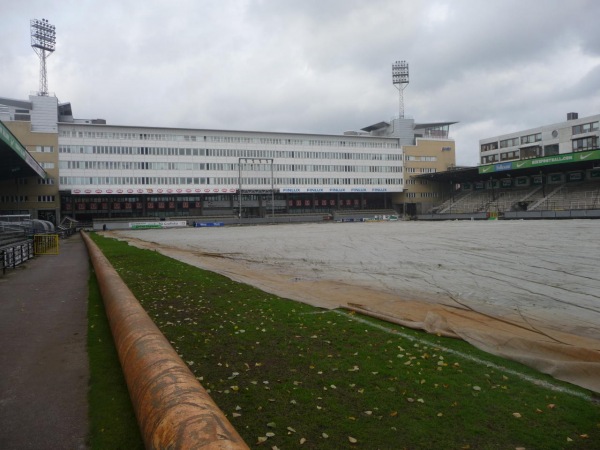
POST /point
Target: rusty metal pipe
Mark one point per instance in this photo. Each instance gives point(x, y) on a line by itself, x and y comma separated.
point(173, 410)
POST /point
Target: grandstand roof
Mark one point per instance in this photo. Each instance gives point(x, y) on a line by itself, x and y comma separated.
point(16, 160)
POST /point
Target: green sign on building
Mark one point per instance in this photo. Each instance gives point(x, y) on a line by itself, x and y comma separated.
point(543, 161)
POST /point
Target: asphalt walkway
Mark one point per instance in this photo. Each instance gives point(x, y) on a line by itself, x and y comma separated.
point(44, 368)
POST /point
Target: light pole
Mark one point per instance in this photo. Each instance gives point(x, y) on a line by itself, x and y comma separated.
point(400, 80)
point(43, 42)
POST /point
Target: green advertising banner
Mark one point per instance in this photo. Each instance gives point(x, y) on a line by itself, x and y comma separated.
point(543, 161)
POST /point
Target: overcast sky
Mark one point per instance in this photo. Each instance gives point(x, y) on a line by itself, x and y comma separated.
point(312, 66)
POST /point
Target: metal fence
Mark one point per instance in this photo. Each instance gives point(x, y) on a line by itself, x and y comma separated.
point(12, 256)
point(45, 244)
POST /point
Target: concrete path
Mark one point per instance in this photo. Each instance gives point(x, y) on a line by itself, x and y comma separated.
point(44, 368)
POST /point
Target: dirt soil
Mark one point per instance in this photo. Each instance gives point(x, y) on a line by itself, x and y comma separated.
point(525, 290)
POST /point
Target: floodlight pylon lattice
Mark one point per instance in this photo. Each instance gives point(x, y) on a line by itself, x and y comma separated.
point(43, 42)
point(400, 80)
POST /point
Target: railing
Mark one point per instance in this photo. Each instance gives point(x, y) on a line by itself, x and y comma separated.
point(13, 255)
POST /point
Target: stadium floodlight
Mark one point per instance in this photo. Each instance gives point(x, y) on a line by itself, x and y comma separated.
point(400, 80)
point(43, 42)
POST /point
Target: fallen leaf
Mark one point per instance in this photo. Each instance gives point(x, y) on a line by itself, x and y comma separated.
point(517, 415)
point(352, 440)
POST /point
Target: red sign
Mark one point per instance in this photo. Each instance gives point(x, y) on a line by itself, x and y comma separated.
point(139, 205)
point(198, 205)
point(298, 202)
point(186, 205)
point(290, 202)
point(171, 205)
point(93, 205)
point(116, 206)
point(76, 191)
point(127, 205)
point(332, 202)
point(188, 190)
point(104, 205)
point(80, 206)
point(306, 202)
point(150, 205)
point(68, 206)
point(323, 202)
point(161, 205)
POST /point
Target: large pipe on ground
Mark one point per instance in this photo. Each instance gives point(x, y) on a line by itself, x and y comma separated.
point(173, 410)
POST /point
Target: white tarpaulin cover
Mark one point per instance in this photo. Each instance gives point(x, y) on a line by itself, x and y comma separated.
point(525, 290)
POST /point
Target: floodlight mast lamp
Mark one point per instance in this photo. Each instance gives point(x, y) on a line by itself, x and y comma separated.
point(400, 80)
point(43, 42)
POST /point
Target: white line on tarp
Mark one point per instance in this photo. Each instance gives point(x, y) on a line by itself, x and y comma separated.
point(522, 376)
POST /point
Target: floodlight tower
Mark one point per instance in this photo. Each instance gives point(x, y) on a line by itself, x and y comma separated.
point(400, 80)
point(43, 42)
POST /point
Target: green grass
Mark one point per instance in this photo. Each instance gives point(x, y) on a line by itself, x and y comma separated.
point(112, 420)
point(293, 374)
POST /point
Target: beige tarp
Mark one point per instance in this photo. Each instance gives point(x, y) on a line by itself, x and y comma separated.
point(525, 290)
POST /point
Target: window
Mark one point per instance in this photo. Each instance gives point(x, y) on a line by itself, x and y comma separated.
point(530, 139)
point(583, 144)
point(44, 148)
point(489, 146)
point(513, 142)
point(585, 128)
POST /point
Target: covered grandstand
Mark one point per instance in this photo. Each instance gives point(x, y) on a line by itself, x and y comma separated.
point(551, 187)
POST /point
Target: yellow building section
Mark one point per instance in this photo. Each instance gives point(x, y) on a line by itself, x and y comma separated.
point(45, 244)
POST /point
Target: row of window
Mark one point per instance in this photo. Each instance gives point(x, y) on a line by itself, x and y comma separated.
point(221, 181)
point(223, 152)
point(420, 170)
point(363, 143)
point(25, 198)
point(128, 165)
point(535, 151)
point(420, 158)
point(44, 149)
point(585, 128)
point(537, 137)
point(588, 143)
point(512, 142)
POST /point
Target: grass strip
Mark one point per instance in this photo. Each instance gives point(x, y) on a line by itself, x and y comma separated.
point(112, 419)
point(289, 375)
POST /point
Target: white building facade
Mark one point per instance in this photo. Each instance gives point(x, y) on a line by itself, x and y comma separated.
point(111, 171)
point(573, 135)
